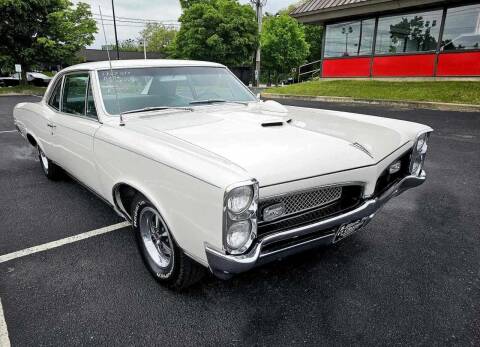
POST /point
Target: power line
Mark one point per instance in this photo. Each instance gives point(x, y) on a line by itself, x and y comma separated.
point(137, 19)
point(134, 22)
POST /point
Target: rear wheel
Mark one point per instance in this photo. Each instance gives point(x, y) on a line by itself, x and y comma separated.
point(162, 256)
point(50, 169)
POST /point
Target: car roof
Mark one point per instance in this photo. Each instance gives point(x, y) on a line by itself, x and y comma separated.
point(135, 63)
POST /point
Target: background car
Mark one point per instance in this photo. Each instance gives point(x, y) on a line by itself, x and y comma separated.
point(35, 78)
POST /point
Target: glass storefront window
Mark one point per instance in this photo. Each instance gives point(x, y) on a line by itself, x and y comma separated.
point(416, 32)
point(368, 32)
point(462, 28)
point(349, 38)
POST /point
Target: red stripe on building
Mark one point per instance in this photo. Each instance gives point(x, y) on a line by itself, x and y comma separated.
point(459, 64)
point(404, 65)
point(346, 67)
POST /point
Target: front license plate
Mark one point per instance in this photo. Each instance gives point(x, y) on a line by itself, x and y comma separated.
point(348, 229)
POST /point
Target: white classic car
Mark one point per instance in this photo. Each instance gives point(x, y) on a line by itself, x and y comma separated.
point(210, 176)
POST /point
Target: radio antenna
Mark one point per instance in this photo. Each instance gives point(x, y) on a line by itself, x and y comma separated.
point(122, 123)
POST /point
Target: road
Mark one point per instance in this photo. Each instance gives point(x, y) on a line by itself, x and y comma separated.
point(411, 277)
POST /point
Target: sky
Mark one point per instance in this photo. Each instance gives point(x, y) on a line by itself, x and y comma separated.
point(160, 10)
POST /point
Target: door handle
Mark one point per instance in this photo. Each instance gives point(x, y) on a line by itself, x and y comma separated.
point(50, 125)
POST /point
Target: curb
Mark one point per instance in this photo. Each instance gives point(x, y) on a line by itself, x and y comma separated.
point(21, 94)
point(441, 106)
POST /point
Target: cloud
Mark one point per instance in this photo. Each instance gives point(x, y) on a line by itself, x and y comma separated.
point(159, 10)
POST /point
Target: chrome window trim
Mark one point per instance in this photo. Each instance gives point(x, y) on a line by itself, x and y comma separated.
point(63, 77)
point(58, 80)
point(104, 110)
point(89, 85)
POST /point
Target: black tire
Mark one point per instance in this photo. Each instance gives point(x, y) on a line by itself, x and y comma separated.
point(181, 271)
point(50, 169)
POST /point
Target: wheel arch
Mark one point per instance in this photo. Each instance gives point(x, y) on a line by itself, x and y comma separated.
point(123, 194)
point(31, 139)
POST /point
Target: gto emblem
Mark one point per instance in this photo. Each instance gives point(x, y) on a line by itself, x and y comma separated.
point(273, 211)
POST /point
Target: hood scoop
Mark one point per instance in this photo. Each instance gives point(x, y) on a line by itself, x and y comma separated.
point(275, 123)
point(272, 124)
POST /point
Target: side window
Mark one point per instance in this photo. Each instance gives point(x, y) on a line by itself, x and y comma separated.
point(91, 110)
point(55, 97)
point(74, 90)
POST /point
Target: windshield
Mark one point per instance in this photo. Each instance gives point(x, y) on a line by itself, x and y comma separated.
point(140, 88)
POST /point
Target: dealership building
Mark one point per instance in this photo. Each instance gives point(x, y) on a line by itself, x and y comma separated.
point(396, 38)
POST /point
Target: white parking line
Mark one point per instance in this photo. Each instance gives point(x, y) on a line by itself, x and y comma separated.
point(7, 131)
point(61, 242)
point(4, 340)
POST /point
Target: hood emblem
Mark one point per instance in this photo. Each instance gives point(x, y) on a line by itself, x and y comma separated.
point(273, 211)
point(363, 149)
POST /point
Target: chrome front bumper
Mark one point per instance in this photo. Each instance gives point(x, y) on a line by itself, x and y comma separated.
point(224, 265)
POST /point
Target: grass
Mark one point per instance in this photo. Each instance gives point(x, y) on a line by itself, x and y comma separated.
point(23, 90)
point(461, 92)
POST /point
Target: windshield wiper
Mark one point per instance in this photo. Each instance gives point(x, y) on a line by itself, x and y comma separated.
point(158, 108)
point(214, 101)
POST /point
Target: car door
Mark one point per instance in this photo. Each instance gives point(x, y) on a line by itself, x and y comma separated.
point(42, 127)
point(74, 127)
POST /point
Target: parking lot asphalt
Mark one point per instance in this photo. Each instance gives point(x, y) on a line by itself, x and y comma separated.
point(412, 277)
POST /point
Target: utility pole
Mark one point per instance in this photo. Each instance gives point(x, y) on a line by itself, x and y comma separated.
point(115, 29)
point(144, 48)
point(258, 6)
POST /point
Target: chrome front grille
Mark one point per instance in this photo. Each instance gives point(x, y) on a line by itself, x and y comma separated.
point(296, 202)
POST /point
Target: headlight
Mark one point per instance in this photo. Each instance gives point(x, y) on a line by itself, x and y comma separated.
point(240, 216)
point(238, 234)
point(239, 199)
point(421, 142)
point(418, 154)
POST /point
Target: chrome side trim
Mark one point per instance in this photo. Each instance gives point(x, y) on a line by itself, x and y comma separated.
point(224, 265)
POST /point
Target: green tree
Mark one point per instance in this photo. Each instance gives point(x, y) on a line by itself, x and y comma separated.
point(314, 38)
point(129, 45)
point(283, 45)
point(218, 30)
point(188, 3)
point(159, 37)
point(44, 31)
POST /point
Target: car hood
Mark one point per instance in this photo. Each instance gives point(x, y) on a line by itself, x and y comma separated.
point(274, 144)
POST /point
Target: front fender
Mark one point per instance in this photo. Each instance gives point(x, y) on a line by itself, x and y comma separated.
point(191, 208)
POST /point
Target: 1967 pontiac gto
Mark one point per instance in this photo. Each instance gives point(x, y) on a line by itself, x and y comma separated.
point(210, 176)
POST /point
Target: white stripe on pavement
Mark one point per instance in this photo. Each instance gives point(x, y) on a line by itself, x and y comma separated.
point(8, 131)
point(4, 340)
point(61, 242)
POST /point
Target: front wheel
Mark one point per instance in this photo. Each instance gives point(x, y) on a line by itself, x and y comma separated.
point(162, 256)
point(50, 169)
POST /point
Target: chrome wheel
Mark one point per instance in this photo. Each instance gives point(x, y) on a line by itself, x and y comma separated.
point(43, 159)
point(155, 237)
